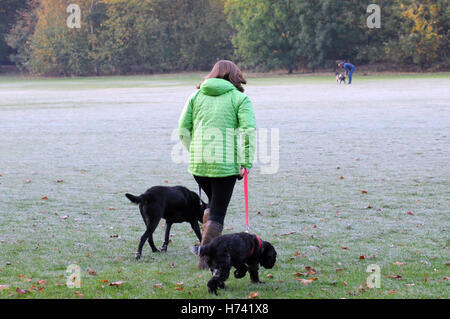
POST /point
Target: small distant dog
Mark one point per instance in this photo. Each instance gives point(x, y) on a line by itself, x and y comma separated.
point(242, 251)
point(175, 204)
point(340, 78)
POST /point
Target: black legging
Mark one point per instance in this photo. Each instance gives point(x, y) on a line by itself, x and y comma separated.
point(219, 191)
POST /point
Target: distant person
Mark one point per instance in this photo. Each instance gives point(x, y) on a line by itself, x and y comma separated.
point(217, 108)
point(349, 69)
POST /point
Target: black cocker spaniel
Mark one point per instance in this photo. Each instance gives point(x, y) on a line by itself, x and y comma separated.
point(243, 251)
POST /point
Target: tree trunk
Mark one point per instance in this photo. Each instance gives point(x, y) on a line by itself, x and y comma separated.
point(91, 26)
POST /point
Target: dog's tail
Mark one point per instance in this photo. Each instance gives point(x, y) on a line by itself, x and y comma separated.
point(134, 199)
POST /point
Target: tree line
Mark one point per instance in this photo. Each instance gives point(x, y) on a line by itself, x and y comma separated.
point(156, 36)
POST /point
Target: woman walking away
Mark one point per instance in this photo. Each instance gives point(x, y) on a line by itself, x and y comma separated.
point(212, 120)
point(349, 69)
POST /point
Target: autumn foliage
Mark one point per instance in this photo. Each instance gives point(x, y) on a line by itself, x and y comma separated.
point(149, 36)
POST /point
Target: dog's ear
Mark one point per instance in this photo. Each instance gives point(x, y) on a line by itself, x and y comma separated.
point(195, 250)
point(134, 199)
point(199, 250)
point(268, 255)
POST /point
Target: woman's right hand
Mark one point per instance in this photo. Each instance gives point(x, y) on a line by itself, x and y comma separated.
point(242, 172)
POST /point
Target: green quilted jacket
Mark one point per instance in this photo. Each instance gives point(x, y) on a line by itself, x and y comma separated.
point(218, 128)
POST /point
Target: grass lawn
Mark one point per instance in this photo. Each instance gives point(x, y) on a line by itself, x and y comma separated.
point(363, 179)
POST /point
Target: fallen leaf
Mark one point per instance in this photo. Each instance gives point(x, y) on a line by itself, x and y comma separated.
point(166, 181)
point(344, 247)
point(44, 198)
point(447, 278)
point(111, 208)
point(363, 192)
point(253, 294)
point(20, 291)
point(305, 274)
point(345, 283)
point(27, 181)
point(92, 272)
point(399, 263)
point(310, 270)
point(392, 292)
point(79, 294)
point(104, 281)
point(269, 276)
point(117, 283)
point(394, 276)
point(306, 281)
point(4, 287)
point(229, 228)
point(410, 213)
point(179, 288)
point(362, 257)
point(339, 269)
point(42, 282)
point(342, 177)
point(59, 181)
point(180, 284)
point(157, 285)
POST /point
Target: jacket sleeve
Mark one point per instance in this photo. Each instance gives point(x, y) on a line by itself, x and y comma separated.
point(247, 132)
point(185, 124)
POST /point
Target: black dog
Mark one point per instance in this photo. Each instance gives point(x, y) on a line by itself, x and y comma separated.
point(175, 204)
point(242, 251)
point(340, 78)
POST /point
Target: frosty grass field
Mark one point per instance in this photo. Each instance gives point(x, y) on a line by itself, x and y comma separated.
point(364, 179)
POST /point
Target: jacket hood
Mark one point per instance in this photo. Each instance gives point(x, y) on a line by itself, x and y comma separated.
point(216, 87)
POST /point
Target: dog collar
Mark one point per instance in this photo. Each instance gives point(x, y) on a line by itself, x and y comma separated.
point(259, 244)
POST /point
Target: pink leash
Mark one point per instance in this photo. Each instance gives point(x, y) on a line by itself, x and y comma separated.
point(246, 198)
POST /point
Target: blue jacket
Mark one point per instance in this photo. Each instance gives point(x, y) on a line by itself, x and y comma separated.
point(348, 66)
